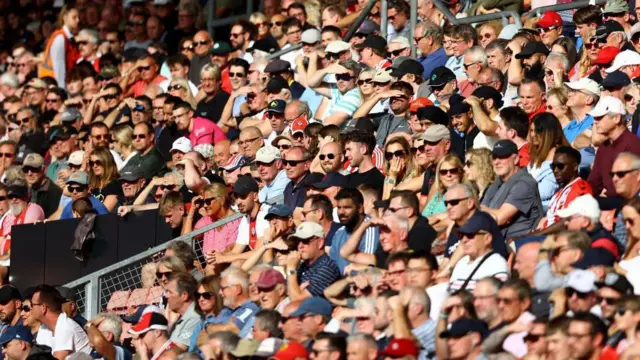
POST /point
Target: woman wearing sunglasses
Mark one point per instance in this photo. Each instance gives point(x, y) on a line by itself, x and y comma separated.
point(630, 261)
point(478, 169)
point(399, 164)
point(186, 47)
point(28, 319)
point(626, 320)
point(180, 88)
point(208, 304)
point(545, 135)
point(164, 269)
point(216, 201)
point(103, 177)
point(586, 64)
point(448, 173)
point(631, 97)
point(365, 84)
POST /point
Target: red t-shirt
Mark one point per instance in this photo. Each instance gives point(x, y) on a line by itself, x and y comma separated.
point(226, 82)
point(523, 152)
point(563, 197)
point(540, 110)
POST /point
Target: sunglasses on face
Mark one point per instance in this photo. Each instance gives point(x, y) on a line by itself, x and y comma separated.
point(76, 189)
point(145, 68)
point(544, 30)
point(204, 295)
point(532, 338)
point(344, 77)
point(621, 174)
point(187, 48)
point(174, 87)
point(453, 202)
point(364, 81)
point(82, 43)
point(397, 52)
point(167, 187)
point(50, 101)
point(14, 197)
point(160, 275)
point(292, 163)
point(608, 300)
point(275, 23)
point(306, 241)
point(209, 201)
point(327, 156)
point(95, 163)
point(398, 153)
point(6, 155)
point(260, 163)
point(272, 115)
point(201, 43)
point(29, 169)
point(454, 171)
point(380, 84)
point(238, 75)
point(559, 166)
point(284, 146)
point(26, 308)
point(109, 97)
point(417, 149)
point(139, 136)
point(570, 292)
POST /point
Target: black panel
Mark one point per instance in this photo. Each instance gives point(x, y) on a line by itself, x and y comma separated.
point(105, 247)
point(28, 255)
point(60, 264)
point(136, 233)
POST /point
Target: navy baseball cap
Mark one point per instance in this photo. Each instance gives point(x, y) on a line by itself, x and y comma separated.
point(487, 92)
point(504, 148)
point(279, 210)
point(595, 257)
point(245, 185)
point(616, 79)
point(17, 332)
point(462, 327)
point(457, 105)
point(476, 223)
point(531, 48)
point(434, 114)
point(276, 106)
point(440, 76)
point(331, 179)
point(314, 306)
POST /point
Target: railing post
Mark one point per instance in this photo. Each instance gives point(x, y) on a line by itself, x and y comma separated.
point(384, 12)
point(412, 22)
point(92, 296)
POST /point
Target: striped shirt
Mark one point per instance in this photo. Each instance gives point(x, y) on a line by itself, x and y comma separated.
point(426, 335)
point(322, 273)
point(343, 103)
point(368, 244)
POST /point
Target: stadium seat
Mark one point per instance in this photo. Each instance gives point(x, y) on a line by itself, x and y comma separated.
point(138, 297)
point(118, 302)
point(155, 295)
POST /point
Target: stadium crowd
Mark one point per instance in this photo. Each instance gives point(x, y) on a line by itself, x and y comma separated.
point(479, 199)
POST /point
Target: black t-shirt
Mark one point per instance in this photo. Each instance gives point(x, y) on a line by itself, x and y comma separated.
point(296, 90)
point(428, 177)
point(372, 177)
point(214, 178)
point(112, 188)
point(381, 258)
point(421, 235)
point(165, 140)
point(212, 109)
point(32, 143)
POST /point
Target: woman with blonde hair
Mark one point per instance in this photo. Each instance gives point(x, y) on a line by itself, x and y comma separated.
point(449, 172)
point(630, 261)
point(262, 24)
point(122, 137)
point(211, 94)
point(557, 98)
point(181, 89)
point(631, 97)
point(478, 169)
point(166, 267)
point(103, 177)
point(365, 84)
point(60, 53)
point(585, 65)
point(399, 164)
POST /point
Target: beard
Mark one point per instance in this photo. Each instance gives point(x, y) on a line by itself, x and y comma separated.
point(16, 209)
point(534, 71)
point(352, 222)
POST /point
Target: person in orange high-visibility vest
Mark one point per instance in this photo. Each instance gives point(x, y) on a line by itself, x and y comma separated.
point(61, 52)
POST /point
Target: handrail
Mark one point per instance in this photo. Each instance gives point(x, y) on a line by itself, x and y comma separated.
point(445, 11)
point(281, 52)
point(413, 19)
point(488, 17)
point(568, 6)
point(384, 12)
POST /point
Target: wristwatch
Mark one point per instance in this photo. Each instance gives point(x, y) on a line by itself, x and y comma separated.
point(292, 272)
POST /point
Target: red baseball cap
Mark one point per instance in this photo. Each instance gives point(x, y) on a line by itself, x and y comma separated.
point(291, 351)
point(299, 125)
point(397, 348)
point(149, 321)
point(419, 103)
point(549, 19)
point(606, 55)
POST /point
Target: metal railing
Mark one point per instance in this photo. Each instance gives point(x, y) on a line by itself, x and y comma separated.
point(131, 282)
point(568, 6)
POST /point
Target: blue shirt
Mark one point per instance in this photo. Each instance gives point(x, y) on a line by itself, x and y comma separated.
point(432, 61)
point(368, 244)
point(456, 64)
point(240, 316)
point(67, 213)
point(312, 98)
point(575, 128)
point(322, 273)
point(275, 189)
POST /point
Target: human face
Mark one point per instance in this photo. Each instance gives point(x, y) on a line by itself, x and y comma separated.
point(99, 137)
point(8, 311)
point(237, 77)
point(486, 35)
point(148, 69)
point(530, 97)
point(206, 300)
point(397, 19)
point(77, 191)
point(535, 340)
point(131, 188)
point(295, 165)
point(397, 275)
point(555, 107)
point(550, 34)
point(354, 152)
point(564, 169)
point(202, 43)
point(158, 112)
point(580, 340)
point(365, 83)
point(26, 314)
point(321, 350)
point(142, 140)
point(276, 26)
point(450, 175)
point(608, 299)
point(182, 118)
point(485, 302)
point(625, 178)
point(72, 20)
point(293, 35)
point(435, 150)
point(357, 350)
point(32, 175)
point(178, 71)
point(268, 171)
point(419, 273)
point(246, 203)
point(53, 102)
point(509, 304)
point(7, 154)
point(249, 144)
point(347, 211)
point(476, 244)
point(462, 122)
point(605, 124)
point(174, 298)
point(444, 93)
point(459, 348)
point(631, 221)
point(173, 216)
point(187, 49)
point(346, 80)
point(471, 68)
point(270, 298)
point(504, 166)
point(109, 100)
point(496, 59)
point(309, 249)
point(96, 165)
point(330, 157)
point(580, 302)
point(558, 346)
point(458, 204)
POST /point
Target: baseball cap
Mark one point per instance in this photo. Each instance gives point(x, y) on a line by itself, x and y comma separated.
point(457, 105)
point(220, 48)
point(504, 148)
point(66, 293)
point(205, 150)
point(435, 133)
point(382, 77)
point(245, 185)
point(329, 180)
point(16, 332)
point(265, 45)
point(245, 347)
point(277, 65)
point(584, 84)
point(130, 174)
point(361, 123)
point(582, 281)
point(78, 177)
point(36, 83)
point(409, 66)
point(298, 125)
point(616, 282)
point(276, 106)
point(487, 92)
point(549, 19)
point(269, 278)
point(606, 55)
point(585, 205)
point(33, 160)
point(108, 72)
point(337, 46)
point(595, 257)
point(308, 230)
point(276, 84)
point(149, 321)
point(313, 306)
point(8, 293)
point(615, 7)
point(310, 36)
point(608, 104)
point(140, 311)
point(269, 347)
point(279, 210)
point(373, 41)
point(462, 327)
point(433, 113)
point(440, 76)
point(624, 58)
point(607, 28)
point(291, 350)
point(419, 103)
point(267, 154)
point(398, 348)
point(616, 79)
point(367, 27)
point(234, 162)
point(18, 190)
point(476, 223)
point(76, 158)
point(70, 114)
point(181, 144)
point(532, 47)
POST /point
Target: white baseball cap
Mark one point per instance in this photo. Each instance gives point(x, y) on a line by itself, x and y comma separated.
point(583, 281)
point(307, 230)
point(182, 144)
point(76, 158)
point(608, 104)
point(624, 58)
point(267, 154)
point(310, 36)
point(337, 46)
point(585, 205)
point(584, 84)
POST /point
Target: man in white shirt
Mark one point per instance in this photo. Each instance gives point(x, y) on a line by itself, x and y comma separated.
point(67, 336)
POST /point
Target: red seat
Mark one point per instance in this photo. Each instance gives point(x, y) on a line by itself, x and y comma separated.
point(138, 297)
point(155, 296)
point(118, 302)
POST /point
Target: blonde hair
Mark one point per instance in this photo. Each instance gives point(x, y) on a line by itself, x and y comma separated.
point(410, 170)
point(481, 159)
point(211, 69)
point(173, 263)
point(124, 135)
point(448, 159)
point(187, 89)
point(495, 25)
point(219, 191)
point(256, 17)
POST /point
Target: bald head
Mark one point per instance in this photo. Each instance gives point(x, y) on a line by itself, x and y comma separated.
point(526, 259)
point(202, 43)
point(221, 152)
point(329, 151)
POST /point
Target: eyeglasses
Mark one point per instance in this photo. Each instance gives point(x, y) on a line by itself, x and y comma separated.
point(532, 338)
point(76, 189)
point(329, 156)
point(26, 308)
point(109, 97)
point(174, 87)
point(6, 155)
point(201, 43)
point(247, 142)
point(239, 75)
point(292, 163)
point(52, 100)
point(284, 146)
point(316, 352)
point(621, 174)
point(14, 197)
point(187, 48)
point(265, 164)
point(590, 46)
point(395, 210)
point(417, 149)
point(332, 56)
point(506, 301)
point(486, 36)
point(204, 295)
point(570, 292)
point(375, 83)
point(95, 163)
point(160, 275)
point(275, 23)
point(80, 43)
point(364, 81)
point(344, 77)
point(25, 120)
point(274, 115)
point(466, 66)
point(559, 166)
point(608, 300)
point(145, 68)
point(398, 153)
point(29, 169)
point(453, 171)
point(167, 187)
point(209, 201)
point(397, 52)
point(139, 136)
point(100, 137)
point(307, 241)
point(453, 202)
point(544, 30)
point(418, 39)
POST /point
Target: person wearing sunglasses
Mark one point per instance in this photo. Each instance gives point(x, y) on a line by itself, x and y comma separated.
point(61, 145)
point(27, 317)
point(186, 48)
point(448, 174)
point(550, 27)
point(132, 182)
point(44, 192)
point(399, 164)
point(399, 46)
point(140, 39)
point(103, 175)
point(209, 303)
point(275, 28)
point(148, 71)
point(148, 159)
point(88, 42)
